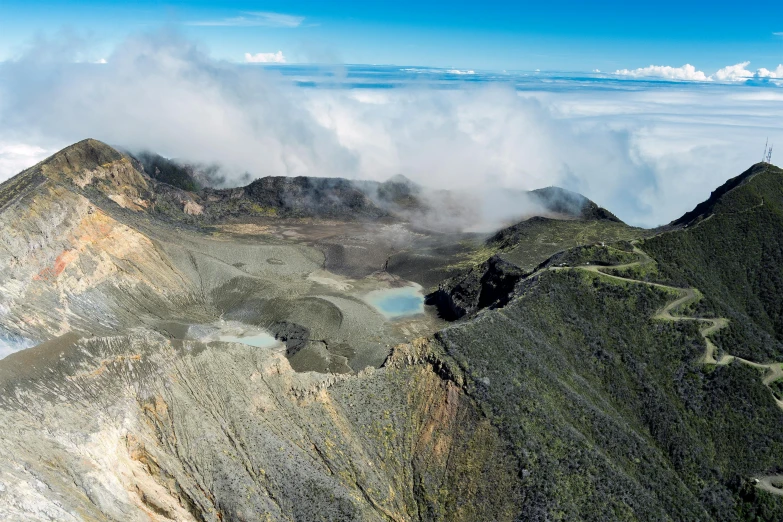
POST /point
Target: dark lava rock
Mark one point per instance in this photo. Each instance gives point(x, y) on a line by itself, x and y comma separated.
point(308, 197)
point(490, 285)
point(295, 336)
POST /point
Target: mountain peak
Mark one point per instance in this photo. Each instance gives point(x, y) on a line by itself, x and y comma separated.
point(706, 207)
point(93, 164)
point(399, 178)
point(87, 154)
point(563, 201)
point(304, 196)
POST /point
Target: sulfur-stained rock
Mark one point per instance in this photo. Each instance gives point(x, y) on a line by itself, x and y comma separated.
point(195, 432)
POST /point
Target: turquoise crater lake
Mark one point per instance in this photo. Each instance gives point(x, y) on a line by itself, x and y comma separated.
point(396, 303)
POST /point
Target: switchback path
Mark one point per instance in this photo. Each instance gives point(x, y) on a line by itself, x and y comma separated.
point(772, 371)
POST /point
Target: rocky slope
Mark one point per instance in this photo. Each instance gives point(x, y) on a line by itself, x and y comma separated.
point(191, 188)
point(66, 263)
point(140, 428)
point(134, 406)
point(219, 355)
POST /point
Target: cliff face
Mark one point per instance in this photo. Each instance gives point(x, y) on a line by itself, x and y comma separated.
point(184, 431)
point(65, 263)
point(489, 285)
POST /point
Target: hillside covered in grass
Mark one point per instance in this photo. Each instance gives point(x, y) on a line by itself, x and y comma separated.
point(734, 255)
point(614, 410)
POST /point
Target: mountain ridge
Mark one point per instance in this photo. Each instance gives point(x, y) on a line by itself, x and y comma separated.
point(584, 369)
point(704, 208)
point(398, 196)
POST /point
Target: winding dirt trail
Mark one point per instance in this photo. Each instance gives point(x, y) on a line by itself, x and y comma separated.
point(770, 484)
point(773, 371)
point(668, 313)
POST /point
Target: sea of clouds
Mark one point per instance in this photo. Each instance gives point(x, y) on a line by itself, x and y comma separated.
point(648, 151)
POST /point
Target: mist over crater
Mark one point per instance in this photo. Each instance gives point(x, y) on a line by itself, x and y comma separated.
point(641, 148)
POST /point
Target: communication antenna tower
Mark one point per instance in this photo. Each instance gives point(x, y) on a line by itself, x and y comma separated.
point(769, 154)
point(764, 156)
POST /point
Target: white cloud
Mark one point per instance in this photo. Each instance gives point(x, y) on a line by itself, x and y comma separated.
point(265, 57)
point(765, 73)
point(686, 72)
point(647, 153)
point(15, 157)
point(739, 72)
point(254, 19)
point(732, 73)
point(460, 72)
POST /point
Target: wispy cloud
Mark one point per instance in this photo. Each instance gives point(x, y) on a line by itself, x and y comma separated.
point(254, 19)
point(265, 57)
point(778, 33)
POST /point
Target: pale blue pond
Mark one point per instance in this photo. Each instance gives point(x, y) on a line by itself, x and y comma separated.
point(260, 340)
point(232, 332)
point(396, 303)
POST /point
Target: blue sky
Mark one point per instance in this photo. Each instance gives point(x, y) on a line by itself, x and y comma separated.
point(565, 35)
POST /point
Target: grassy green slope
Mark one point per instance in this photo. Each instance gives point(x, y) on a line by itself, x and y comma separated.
point(532, 242)
point(611, 413)
point(734, 255)
point(486, 274)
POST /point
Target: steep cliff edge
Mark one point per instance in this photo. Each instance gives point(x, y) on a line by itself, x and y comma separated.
point(228, 432)
point(65, 263)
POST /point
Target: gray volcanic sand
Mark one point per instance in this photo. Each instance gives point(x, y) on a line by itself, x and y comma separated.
point(261, 279)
